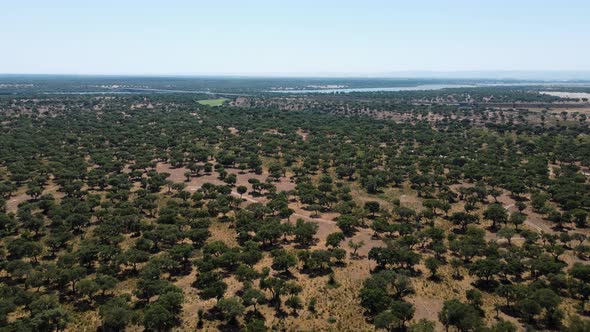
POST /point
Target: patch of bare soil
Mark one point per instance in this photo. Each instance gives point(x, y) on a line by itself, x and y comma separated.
point(241, 102)
point(13, 202)
point(427, 308)
point(302, 133)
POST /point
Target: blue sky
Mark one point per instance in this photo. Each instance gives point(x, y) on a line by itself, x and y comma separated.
point(292, 37)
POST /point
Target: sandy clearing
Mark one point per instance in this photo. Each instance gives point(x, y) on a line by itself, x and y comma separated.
point(578, 95)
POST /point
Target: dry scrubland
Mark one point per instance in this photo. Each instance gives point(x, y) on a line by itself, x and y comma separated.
point(421, 166)
point(340, 304)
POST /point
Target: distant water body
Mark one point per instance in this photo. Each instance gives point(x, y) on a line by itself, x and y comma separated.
point(425, 87)
point(396, 88)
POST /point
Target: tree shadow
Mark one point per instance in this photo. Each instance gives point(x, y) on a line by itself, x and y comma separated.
point(486, 285)
point(231, 326)
point(83, 305)
point(302, 246)
point(340, 264)
point(492, 229)
point(458, 277)
point(434, 278)
point(518, 198)
point(286, 275)
point(224, 219)
point(280, 313)
point(458, 230)
point(253, 315)
point(101, 299)
point(313, 273)
point(213, 314)
point(182, 271)
point(358, 257)
point(129, 273)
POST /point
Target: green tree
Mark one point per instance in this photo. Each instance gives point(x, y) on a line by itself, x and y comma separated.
point(373, 207)
point(294, 302)
point(333, 239)
point(496, 213)
point(47, 314)
point(283, 260)
point(157, 318)
point(115, 314)
point(463, 219)
point(432, 264)
point(355, 246)
point(241, 190)
point(305, 232)
point(231, 308)
point(348, 224)
point(462, 316)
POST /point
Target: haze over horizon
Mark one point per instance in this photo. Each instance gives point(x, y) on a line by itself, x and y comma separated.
point(455, 39)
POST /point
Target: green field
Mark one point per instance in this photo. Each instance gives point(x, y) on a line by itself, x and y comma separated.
point(212, 102)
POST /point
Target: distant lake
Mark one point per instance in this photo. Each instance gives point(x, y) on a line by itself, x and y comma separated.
point(422, 87)
point(385, 89)
point(427, 87)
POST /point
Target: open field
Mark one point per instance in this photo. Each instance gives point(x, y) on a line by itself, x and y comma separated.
point(573, 95)
point(212, 102)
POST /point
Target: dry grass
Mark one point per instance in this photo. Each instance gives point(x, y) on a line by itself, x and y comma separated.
point(338, 309)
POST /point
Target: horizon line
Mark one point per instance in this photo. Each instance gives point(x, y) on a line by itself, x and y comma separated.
point(533, 75)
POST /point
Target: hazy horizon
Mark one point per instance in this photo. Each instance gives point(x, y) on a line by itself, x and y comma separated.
point(532, 75)
point(298, 39)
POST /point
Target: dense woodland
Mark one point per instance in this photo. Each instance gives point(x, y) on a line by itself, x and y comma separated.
point(354, 213)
